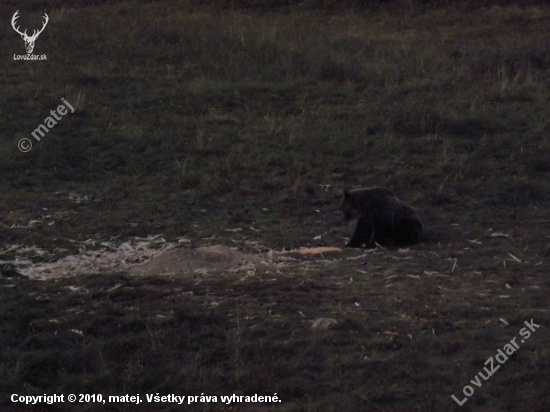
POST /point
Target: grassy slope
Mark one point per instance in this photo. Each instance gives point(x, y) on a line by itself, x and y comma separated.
point(192, 123)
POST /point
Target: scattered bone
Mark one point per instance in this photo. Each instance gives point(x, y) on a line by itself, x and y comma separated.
point(315, 250)
point(78, 289)
point(357, 257)
point(401, 258)
point(498, 234)
point(323, 323)
point(454, 265)
point(78, 198)
point(115, 287)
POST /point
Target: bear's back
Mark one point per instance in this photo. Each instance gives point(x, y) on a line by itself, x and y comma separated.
point(377, 201)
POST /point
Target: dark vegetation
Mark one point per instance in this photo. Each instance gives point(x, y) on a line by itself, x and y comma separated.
point(196, 118)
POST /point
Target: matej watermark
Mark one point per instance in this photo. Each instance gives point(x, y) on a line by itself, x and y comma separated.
point(501, 358)
point(25, 145)
point(29, 40)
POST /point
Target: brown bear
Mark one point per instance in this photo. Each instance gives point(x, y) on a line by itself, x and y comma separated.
point(383, 218)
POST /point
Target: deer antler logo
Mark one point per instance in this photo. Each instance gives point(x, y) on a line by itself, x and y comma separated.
point(29, 40)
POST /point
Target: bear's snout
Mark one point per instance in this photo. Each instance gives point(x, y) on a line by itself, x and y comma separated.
point(347, 216)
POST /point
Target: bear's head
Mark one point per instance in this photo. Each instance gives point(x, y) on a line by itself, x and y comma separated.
point(349, 206)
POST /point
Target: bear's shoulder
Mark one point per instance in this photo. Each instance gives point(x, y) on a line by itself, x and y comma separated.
point(373, 191)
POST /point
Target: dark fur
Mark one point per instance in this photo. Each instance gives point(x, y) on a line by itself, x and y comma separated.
point(383, 218)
